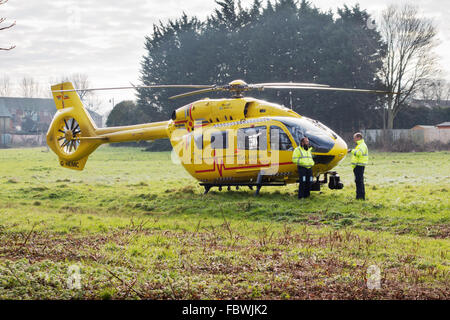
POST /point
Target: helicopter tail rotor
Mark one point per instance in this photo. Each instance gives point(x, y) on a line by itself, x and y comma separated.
point(71, 134)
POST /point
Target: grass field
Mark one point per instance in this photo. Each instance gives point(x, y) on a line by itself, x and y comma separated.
point(136, 225)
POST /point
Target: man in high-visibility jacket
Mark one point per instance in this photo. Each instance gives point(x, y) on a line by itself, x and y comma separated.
point(302, 157)
point(360, 158)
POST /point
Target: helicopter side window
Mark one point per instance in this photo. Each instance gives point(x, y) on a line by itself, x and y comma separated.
point(279, 140)
point(252, 138)
point(219, 140)
point(296, 132)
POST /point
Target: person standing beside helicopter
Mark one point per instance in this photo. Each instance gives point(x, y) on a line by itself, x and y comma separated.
point(360, 158)
point(302, 157)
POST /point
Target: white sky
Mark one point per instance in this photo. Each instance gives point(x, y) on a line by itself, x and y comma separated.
point(105, 38)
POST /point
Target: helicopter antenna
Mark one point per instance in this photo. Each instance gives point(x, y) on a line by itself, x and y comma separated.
point(290, 98)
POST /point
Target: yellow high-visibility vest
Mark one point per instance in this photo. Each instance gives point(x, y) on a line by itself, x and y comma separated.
point(360, 155)
point(302, 157)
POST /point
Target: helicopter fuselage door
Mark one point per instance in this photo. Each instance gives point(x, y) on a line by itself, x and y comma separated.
point(280, 149)
point(252, 147)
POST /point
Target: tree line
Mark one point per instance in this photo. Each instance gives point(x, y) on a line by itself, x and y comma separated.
point(29, 87)
point(275, 42)
point(287, 40)
point(293, 41)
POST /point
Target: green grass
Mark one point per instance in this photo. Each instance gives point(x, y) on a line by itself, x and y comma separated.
point(138, 226)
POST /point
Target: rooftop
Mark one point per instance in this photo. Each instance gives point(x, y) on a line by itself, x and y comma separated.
point(423, 126)
point(4, 113)
point(35, 104)
point(30, 104)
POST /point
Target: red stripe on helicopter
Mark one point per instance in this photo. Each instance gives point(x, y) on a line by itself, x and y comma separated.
point(221, 166)
point(190, 111)
point(201, 125)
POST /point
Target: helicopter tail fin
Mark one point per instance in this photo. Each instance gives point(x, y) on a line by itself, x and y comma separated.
point(72, 133)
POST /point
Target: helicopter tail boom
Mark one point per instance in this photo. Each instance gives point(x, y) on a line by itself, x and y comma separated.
point(73, 135)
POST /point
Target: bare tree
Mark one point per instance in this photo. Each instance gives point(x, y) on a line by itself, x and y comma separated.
point(447, 92)
point(94, 103)
point(437, 90)
point(6, 27)
point(426, 91)
point(409, 61)
point(5, 86)
point(440, 90)
point(79, 81)
point(29, 88)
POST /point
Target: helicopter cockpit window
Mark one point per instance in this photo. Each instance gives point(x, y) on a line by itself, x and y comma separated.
point(297, 132)
point(252, 138)
point(279, 140)
point(219, 140)
point(319, 138)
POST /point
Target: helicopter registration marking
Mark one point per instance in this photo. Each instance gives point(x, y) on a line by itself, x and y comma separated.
point(71, 164)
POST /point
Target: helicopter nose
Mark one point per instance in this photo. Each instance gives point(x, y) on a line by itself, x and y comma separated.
point(340, 148)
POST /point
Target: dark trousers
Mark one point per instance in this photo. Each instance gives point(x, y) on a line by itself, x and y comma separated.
point(359, 181)
point(305, 179)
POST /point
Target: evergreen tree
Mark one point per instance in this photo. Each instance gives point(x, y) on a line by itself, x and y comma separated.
point(125, 113)
point(280, 41)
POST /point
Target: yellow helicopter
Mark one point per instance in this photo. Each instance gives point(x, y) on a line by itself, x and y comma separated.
point(239, 141)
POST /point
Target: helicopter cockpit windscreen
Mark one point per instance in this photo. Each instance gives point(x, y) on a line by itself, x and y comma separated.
point(319, 138)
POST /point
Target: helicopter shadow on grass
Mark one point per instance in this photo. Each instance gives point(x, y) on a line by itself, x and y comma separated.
point(271, 206)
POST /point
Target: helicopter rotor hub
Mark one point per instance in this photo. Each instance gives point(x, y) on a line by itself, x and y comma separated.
point(237, 87)
point(68, 135)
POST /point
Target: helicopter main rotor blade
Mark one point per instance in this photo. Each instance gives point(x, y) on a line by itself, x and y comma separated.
point(287, 84)
point(192, 86)
point(238, 87)
point(330, 89)
point(192, 93)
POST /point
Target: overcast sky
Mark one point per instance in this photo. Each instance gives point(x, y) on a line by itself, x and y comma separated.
point(105, 38)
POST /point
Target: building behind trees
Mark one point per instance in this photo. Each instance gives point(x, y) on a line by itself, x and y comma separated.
point(25, 121)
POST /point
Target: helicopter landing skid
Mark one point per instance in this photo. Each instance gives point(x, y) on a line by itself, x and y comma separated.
point(250, 185)
point(331, 178)
point(258, 184)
